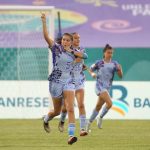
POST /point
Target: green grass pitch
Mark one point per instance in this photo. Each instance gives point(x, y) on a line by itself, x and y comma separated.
point(115, 135)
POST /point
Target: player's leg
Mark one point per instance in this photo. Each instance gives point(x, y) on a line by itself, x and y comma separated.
point(69, 101)
point(55, 112)
point(106, 97)
point(55, 90)
point(62, 118)
point(79, 94)
point(95, 112)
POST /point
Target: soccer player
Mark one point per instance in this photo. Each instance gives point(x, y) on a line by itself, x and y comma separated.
point(79, 79)
point(60, 80)
point(105, 69)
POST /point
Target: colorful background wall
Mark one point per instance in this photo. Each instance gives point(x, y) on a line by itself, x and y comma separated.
point(24, 66)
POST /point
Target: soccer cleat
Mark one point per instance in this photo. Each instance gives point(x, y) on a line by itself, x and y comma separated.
point(61, 126)
point(99, 122)
point(46, 127)
point(88, 127)
point(83, 132)
point(72, 139)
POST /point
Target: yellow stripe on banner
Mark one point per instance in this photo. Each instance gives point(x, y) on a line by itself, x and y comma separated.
point(118, 110)
point(73, 16)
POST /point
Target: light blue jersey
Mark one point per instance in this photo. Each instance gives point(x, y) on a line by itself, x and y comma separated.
point(61, 79)
point(105, 74)
point(62, 64)
point(78, 74)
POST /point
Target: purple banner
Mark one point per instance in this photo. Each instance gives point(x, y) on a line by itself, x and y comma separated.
point(121, 23)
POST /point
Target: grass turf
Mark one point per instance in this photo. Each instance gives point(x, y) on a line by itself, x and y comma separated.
point(115, 135)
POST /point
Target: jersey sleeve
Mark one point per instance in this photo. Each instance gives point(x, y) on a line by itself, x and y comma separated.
point(56, 48)
point(94, 67)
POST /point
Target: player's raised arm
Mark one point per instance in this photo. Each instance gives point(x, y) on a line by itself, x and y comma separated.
point(45, 31)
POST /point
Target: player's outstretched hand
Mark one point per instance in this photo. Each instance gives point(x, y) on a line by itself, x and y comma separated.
point(43, 17)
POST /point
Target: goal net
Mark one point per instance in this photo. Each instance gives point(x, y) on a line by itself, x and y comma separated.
point(25, 61)
point(23, 51)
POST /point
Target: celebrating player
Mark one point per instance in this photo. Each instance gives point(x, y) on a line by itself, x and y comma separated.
point(60, 80)
point(79, 79)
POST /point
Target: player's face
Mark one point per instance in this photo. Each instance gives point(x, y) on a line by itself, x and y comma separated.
point(76, 40)
point(66, 41)
point(108, 53)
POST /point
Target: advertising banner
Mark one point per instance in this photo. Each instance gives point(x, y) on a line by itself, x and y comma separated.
point(30, 99)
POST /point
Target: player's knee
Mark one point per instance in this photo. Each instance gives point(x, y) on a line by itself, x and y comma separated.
point(70, 110)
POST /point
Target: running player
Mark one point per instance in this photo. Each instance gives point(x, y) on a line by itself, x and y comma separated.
point(60, 80)
point(105, 69)
point(79, 79)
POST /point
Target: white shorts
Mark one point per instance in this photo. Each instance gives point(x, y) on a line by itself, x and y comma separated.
point(79, 84)
point(100, 89)
point(56, 89)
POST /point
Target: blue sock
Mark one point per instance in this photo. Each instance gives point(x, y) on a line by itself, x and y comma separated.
point(93, 116)
point(71, 129)
point(47, 118)
point(63, 116)
point(82, 122)
point(104, 111)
